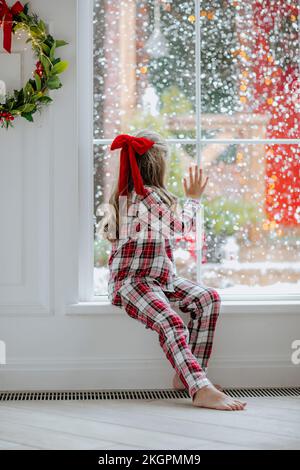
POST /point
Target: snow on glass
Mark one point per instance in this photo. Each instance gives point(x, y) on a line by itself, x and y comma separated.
point(145, 76)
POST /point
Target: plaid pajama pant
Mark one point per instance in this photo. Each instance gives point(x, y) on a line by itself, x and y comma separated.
point(188, 348)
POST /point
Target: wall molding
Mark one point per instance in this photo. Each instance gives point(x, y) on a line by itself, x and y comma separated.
point(28, 147)
point(28, 310)
point(134, 373)
point(233, 307)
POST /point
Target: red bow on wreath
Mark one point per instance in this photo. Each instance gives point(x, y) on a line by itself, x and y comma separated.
point(6, 21)
point(129, 145)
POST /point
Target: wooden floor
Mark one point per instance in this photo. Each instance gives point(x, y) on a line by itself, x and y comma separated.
point(268, 423)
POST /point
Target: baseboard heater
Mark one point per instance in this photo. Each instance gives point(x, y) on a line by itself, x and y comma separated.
point(140, 394)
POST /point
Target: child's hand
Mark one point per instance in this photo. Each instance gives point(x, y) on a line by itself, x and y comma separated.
point(193, 184)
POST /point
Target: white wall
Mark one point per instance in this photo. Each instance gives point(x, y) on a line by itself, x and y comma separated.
point(39, 199)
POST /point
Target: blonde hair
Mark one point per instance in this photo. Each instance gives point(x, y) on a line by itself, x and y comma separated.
point(153, 169)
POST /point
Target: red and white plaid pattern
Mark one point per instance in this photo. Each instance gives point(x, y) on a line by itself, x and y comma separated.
point(143, 280)
point(188, 348)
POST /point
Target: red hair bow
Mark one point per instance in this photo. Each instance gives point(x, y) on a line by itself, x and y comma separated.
point(6, 20)
point(130, 145)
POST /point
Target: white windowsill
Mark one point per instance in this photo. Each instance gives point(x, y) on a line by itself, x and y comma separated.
point(234, 307)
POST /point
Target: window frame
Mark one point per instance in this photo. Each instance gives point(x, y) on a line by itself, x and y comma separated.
point(86, 300)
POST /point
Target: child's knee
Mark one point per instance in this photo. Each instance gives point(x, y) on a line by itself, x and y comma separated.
point(173, 329)
point(214, 294)
point(205, 301)
point(215, 303)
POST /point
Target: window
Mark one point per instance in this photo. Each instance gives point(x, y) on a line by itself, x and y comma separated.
point(220, 81)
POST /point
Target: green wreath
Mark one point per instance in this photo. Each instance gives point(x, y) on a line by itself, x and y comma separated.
point(34, 95)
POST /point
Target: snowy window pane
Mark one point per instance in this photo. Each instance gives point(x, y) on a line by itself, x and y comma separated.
point(252, 218)
point(251, 226)
point(102, 176)
point(144, 67)
point(250, 69)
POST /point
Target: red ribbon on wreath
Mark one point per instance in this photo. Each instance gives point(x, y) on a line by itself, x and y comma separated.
point(6, 21)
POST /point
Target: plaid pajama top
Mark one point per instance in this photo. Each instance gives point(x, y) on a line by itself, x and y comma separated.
point(145, 245)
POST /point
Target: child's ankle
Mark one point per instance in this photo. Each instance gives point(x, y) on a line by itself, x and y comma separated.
point(200, 390)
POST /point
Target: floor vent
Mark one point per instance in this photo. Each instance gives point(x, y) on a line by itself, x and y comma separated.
point(141, 394)
point(263, 392)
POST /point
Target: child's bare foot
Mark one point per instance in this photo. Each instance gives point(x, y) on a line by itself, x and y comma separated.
point(178, 385)
point(210, 397)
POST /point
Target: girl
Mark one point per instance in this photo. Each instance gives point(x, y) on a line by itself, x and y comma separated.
point(143, 279)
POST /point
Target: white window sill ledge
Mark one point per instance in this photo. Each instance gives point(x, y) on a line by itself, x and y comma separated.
point(231, 307)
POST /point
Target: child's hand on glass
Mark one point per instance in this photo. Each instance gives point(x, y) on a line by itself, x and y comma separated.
point(194, 183)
